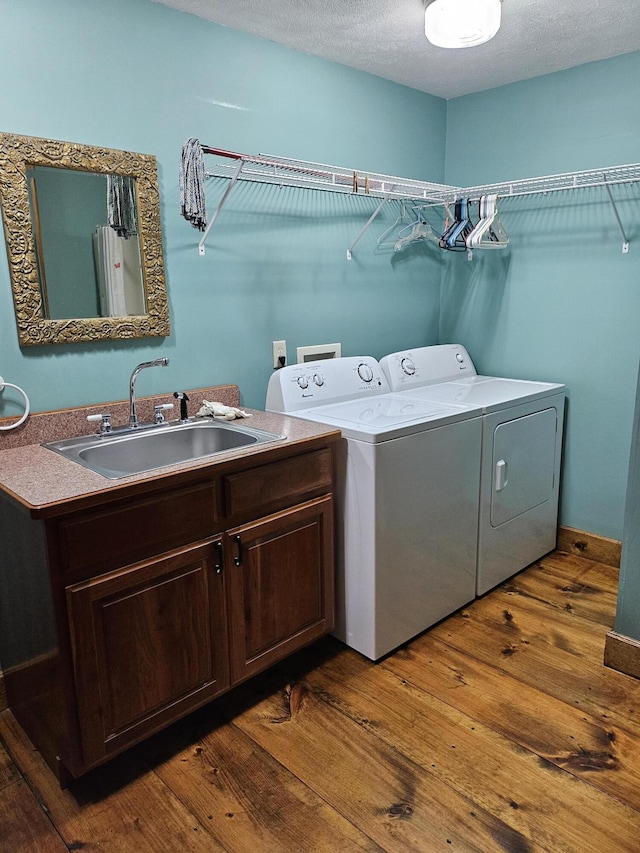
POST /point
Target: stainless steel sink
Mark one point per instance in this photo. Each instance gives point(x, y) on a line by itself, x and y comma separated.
point(133, 452)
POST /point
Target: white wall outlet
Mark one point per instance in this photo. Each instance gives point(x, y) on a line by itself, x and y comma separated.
point(279, 353)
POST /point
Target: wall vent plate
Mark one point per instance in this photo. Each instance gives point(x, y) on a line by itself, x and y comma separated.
point(315, 353)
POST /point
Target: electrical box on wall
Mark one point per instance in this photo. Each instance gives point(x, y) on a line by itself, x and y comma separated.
point(318, 352)
point(279, 353)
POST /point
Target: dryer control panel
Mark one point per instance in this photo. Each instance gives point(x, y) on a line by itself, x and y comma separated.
point(426, 366)
point(320, 383)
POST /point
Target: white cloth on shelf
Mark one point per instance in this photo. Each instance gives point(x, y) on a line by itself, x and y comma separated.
point(220, 411)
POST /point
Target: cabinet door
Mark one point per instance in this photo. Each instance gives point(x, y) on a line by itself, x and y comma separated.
point(149, 644)
point(280, 578)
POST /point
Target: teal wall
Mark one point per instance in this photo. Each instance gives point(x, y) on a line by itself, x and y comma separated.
point(135, 75)
point(562, 303)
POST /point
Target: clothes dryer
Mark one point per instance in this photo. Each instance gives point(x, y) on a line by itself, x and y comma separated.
point(521, 451)
point(407, 498)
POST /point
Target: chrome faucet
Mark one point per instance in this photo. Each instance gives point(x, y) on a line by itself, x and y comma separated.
point(133, 416)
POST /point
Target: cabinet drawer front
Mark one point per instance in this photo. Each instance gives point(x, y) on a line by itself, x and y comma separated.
point(268, 488)
point(109, 538)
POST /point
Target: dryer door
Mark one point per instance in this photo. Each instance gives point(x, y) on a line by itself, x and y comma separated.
point(523, 464)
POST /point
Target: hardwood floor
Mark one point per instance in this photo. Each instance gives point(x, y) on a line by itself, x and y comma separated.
point(497, 730)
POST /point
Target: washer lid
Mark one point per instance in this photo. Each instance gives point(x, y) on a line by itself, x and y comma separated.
point(387, 416)
point(491, 393)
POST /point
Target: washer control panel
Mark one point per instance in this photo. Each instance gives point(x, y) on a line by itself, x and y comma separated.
point(426, 366)
point(304, 380)
point(316, 383)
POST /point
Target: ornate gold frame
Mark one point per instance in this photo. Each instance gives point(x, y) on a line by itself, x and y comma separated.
point(16, 152)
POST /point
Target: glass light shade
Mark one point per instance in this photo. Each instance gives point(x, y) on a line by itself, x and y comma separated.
point(461, 23)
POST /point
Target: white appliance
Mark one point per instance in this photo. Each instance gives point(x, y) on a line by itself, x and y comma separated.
point(407, 486)
point(521, 452)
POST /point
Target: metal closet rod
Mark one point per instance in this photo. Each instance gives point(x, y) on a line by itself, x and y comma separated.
point(309, 175)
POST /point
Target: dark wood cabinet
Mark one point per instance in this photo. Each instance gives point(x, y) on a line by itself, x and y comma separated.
point(149, 643)
point(163, 600)
point(279, 595)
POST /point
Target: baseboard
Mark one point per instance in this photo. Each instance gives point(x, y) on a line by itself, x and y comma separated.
point(3, 693)
point(622, 653)
point(589, 545)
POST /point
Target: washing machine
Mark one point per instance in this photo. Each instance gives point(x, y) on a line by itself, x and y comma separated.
point(407, 498)
point(521, 452)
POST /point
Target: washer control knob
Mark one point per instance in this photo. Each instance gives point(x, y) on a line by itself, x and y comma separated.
point(303, 382)
point(459, 357)
point(318, 378)
point(365, 372)
point(408, 366)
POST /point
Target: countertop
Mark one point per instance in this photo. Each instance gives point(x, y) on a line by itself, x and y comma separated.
point(46, 484)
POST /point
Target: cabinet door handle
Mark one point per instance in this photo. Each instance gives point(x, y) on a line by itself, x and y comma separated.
point(237, 560)
point(219, 557)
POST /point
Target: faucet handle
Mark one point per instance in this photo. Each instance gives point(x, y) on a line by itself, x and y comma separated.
point(158, 417)
point(105, 423)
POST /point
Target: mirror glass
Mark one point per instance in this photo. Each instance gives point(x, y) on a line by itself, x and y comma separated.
point(82, 229)
point(85, 271)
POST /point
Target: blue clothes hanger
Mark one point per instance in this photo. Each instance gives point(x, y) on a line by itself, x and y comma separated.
point(454, 237)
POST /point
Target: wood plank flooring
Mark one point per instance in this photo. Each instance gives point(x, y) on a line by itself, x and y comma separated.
point(497, 730)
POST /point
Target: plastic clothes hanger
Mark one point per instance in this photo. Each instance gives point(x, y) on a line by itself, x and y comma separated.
point(402, 220)
point(454, 238)
point(457, 213)
point(495, 237)
point(487, 215)
point(488, 233)
point(419, 229)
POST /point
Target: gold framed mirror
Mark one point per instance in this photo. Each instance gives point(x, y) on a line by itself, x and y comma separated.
point(84, 242)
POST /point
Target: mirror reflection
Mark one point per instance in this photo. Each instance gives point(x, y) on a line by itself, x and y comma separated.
point(82, 230)
point(87, 243)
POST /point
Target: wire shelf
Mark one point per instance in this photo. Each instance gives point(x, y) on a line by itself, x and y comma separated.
point(319, 176)
point(305, 174)
point(554, 183)
point(284, 171)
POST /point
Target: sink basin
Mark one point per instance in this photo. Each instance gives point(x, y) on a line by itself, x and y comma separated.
point(133, 452)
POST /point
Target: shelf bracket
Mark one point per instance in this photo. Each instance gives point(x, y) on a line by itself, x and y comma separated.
point(369, 221)
point(625, 241)
point(225, 196)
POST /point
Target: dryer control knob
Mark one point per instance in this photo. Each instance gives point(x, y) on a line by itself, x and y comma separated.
point(303, 382)
point(408, 366)
point(459, 357)
point(318, 379)
point(365, 372)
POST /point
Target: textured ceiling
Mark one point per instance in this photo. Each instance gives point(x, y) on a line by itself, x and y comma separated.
point(386, 37)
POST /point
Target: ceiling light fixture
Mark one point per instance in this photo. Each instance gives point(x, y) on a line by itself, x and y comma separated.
point(461, 23)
